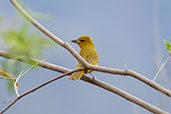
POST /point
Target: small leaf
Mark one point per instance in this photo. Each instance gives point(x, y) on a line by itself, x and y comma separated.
point(168, 45)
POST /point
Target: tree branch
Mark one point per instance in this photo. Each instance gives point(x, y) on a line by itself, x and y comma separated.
point(85, 63)
point(22, 73)
point(101, 84)
point(49, 34)
point(38, 87)
point(125, 95)
point(96, 68)
point(96, 82)
point(161, 67)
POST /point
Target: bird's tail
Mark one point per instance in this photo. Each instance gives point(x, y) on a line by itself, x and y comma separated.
point(76, 75)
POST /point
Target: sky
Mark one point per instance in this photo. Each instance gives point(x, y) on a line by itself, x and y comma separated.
point(124, 32)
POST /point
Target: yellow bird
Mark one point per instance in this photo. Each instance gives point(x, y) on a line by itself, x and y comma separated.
point(88, 52)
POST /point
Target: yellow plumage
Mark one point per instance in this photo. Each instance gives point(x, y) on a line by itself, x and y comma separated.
point(88, 52)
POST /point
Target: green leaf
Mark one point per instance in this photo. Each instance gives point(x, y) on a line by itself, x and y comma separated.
point(168, 45)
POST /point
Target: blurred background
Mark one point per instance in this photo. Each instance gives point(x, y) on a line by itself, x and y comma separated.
point(124, 32)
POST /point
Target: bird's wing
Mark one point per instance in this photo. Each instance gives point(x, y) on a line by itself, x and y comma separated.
point(92, 59)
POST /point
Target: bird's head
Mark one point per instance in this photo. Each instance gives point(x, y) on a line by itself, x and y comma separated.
point(84, 41)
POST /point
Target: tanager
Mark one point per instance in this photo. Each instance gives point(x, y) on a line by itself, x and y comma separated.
point(88, 52)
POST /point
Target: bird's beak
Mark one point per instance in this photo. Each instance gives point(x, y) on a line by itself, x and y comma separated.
point(74, 41)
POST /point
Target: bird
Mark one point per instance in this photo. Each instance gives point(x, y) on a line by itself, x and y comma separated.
point(88, 52)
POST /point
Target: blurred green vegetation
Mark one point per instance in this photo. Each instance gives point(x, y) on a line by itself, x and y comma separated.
point(22, 40)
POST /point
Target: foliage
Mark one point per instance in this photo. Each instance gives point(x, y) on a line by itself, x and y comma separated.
point(168, 45)
point(23, 41)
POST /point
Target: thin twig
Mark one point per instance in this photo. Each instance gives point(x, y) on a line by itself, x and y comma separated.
point(124, 65)
point(21, 75)
point(29, 69)
point(155, 77)
point(2, 77)
point(38, 87)
point(16, 83)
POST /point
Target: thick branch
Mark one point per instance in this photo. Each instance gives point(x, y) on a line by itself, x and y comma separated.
point(132, 74)
point(98, 83)
point(96, 68)
point(125, 95)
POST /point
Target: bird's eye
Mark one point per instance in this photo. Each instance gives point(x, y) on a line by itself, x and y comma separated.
point(82, 40)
